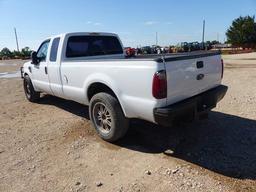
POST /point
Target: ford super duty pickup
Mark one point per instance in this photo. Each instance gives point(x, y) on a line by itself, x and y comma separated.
point(91, 68)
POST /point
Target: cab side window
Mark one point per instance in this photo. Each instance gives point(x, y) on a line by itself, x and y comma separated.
point(54, 49)
point(42, 51)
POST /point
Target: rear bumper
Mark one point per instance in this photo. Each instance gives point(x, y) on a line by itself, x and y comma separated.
point(190, 107)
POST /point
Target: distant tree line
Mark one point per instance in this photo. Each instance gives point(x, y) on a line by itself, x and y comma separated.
point(6, 53)
point(242, 32)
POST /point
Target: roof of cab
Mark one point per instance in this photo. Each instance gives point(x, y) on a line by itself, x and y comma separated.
point(85, 33)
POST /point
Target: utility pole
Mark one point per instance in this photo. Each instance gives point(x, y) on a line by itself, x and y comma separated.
point(203, 33)
point(156, 39)
point(17, 43)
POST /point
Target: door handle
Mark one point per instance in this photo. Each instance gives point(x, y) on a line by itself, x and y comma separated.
point(200, 64)
point(45, 70)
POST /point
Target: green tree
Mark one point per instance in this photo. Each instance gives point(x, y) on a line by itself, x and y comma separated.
point(26, 52)
point(242, 32)
point(5, 52)
point(17, 54)
point(214, 42)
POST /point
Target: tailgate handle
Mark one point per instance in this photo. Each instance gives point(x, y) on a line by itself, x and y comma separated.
point(199, 64)
point(200, 77)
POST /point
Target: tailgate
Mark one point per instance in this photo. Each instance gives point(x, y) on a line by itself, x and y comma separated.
point(189, 76)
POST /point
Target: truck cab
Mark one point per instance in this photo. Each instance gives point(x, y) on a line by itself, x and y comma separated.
point(45, 71)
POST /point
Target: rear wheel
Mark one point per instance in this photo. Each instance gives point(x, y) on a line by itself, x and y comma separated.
point(107, 117)
point(29, 90)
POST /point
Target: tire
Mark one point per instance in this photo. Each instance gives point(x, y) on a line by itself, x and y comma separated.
point(107, 117)
point(31, 94)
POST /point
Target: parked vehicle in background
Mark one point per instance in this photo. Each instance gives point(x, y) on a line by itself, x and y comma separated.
point(130, 52)
point(193, 46)
point(182, 47)
point(172, 49)
point(138, 51)
point(146, 50)
point(206, 45)
point(166, 50)
point(91, 68)
point(154, 49)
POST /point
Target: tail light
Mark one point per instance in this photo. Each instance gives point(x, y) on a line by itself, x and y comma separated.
point(159, 87)
point(222, 68)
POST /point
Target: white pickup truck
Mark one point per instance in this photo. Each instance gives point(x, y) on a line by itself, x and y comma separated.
point(91, 68)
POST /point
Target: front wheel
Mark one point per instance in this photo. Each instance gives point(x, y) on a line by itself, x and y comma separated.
point(107, 117)
point(29, 90)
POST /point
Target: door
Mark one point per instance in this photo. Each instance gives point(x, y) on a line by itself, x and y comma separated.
point(54, 68)
point(40, 71)
point(79, 48)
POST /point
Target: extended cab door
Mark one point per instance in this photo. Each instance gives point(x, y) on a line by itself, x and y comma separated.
point(40, 71)
point(54, 67)
point(78, 50)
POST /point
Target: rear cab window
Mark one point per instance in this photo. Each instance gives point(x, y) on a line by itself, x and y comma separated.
point(83, 46)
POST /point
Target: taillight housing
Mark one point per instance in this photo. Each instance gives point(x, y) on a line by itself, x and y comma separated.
point(222, 68)
point(159, 86)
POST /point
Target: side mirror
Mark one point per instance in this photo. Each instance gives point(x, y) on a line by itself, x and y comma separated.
point(34, 58)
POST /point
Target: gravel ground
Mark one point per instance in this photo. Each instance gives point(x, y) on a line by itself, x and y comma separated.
point(50, 146)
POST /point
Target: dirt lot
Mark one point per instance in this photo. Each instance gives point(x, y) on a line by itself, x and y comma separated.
point(50, 146)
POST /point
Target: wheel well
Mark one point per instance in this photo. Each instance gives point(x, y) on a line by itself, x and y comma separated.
point(97, 88)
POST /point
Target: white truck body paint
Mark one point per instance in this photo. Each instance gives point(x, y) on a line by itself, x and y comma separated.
point(130, 79)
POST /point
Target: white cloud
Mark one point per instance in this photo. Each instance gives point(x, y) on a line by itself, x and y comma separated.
point(156, 22)
point(94, 23)
point(150, 23)
point(97, 24)
point(168, 23)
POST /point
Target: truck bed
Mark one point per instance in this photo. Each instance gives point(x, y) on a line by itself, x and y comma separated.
point(153, 57)
point(175, 56)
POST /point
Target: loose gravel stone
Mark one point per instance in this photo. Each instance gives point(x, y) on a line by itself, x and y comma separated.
point(174, 171)
point(99, 184)
point(168, 171)
point(148, 172)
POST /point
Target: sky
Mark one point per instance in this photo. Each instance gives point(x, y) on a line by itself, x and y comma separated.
point(135, 21)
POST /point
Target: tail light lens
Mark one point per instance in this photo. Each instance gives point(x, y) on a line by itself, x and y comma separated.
point(159, 87)
point(222, 68)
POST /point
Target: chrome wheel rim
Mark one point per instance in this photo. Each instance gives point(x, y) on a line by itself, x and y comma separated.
point(102, 117)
